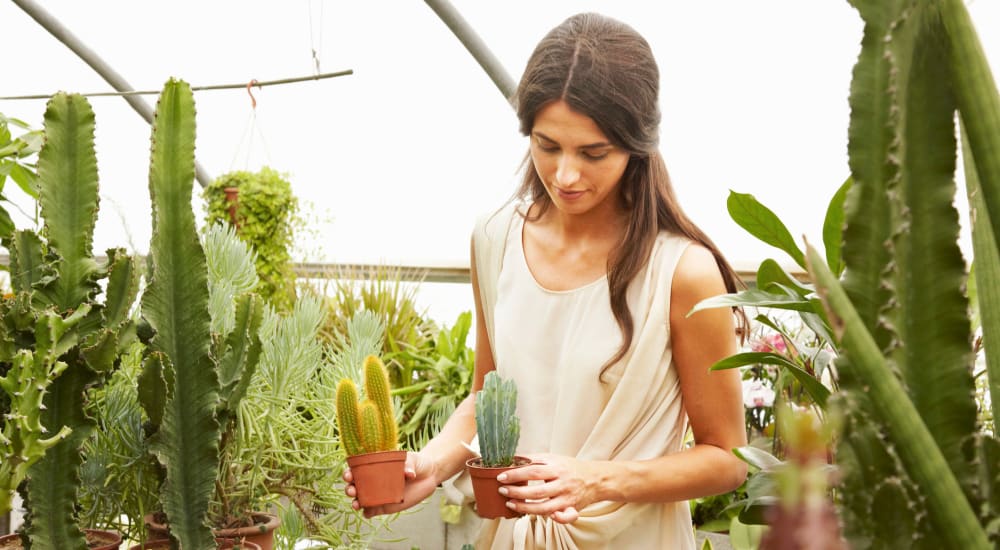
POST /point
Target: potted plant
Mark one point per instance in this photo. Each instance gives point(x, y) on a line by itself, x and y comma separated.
point(370, 437)
point(61, 332)
point(498, 429)
point(265, 213)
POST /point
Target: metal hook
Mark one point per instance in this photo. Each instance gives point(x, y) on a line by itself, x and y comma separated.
point(253, 100)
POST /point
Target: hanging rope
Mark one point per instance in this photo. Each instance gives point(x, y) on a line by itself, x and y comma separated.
point(315, 49)
point(197, 88)
point(250, 130)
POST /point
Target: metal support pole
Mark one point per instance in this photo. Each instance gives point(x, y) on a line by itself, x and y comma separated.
point(61, 33)
point(476, 47)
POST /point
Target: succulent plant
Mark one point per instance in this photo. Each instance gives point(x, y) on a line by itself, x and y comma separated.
point(367, 426)
point(61, 332)
point(498, 426)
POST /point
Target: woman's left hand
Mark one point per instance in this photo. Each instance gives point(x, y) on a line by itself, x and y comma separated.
point(569, 486)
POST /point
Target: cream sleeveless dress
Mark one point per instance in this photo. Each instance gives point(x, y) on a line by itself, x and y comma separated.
point(553, 344)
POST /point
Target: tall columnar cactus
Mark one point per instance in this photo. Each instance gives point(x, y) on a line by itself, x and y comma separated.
point(368, 426)
point(498, 426)
point(917, 468)
point(61, 325)
point(191, 382)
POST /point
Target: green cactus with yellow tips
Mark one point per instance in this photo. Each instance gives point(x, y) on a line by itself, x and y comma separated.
point(367, 426)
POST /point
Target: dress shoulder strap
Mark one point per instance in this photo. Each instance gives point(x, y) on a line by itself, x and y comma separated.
point(489, 242)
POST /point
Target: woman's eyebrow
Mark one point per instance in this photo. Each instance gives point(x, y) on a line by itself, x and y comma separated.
point(597, 145)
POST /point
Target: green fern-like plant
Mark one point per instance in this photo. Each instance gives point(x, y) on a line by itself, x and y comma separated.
point(367, 426)
point(497, 423)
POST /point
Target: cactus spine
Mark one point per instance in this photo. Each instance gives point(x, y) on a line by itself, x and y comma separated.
point(498, 426)
point(368, 426)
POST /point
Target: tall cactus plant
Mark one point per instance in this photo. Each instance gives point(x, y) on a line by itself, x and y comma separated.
point(367, 426)
point(917, 467)
point(192, 380)
point(61, 330)
point(497, 425)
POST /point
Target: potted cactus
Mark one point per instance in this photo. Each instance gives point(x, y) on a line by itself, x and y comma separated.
point(370, 437)
point(499, 429)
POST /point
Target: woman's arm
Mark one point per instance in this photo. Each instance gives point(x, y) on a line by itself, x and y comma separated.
point(714, 407)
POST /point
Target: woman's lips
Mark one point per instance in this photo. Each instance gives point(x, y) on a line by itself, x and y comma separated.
point(567, 194)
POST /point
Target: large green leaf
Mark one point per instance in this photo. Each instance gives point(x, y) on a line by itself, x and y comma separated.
point(68, 197)
point(949, 509)
point(757, 298)
point(813, 387)
point(833, 228)
point(762, 223)
point(176, 306)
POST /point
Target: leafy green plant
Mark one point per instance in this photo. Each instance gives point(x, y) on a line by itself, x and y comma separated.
point(66, 325)
point(367, 426)
point(442, 378)
point(266, 218)
point(384, 291)
point(16, 154)
point(497, 424)
point(120, 479)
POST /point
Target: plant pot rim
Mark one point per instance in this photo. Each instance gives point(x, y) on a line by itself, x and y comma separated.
point(475, 463)
point(113, 537)
point(158, 544)
point(379, 456)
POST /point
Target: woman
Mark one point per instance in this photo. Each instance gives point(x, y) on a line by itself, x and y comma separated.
point(582, 288)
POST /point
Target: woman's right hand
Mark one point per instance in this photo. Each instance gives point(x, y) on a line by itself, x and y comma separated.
point(421, 480)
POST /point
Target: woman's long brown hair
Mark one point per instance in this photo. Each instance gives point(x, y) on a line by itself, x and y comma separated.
point(604, 69)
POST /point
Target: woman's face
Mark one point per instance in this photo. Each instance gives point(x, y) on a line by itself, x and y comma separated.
point(576, 162)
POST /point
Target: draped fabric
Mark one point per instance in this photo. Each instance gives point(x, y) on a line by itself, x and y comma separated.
point(554, 344)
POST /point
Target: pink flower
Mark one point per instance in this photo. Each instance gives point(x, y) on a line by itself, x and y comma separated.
point(770, 343)
point(757, 394)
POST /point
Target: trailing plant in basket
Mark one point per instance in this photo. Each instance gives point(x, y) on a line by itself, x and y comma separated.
point(266, 218)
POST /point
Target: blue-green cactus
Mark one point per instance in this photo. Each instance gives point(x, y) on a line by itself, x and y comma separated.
point(498, 426)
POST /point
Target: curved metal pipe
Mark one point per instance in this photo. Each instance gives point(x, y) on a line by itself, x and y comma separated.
point(117, 81)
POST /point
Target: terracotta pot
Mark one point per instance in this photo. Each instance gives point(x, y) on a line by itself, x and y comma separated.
point(224, 544)
point(232, 197)
point(261, 533)
point(378, 477)
point(489, 502)
point(97, 539)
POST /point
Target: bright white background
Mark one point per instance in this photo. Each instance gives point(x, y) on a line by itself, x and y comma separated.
point(393, 163)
